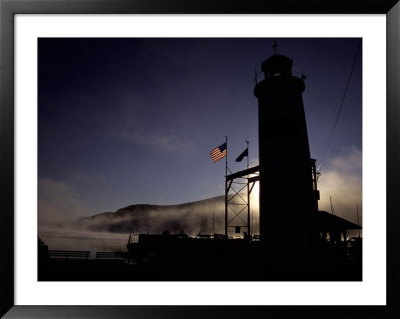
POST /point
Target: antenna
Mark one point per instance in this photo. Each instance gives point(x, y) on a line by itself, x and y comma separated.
point(213, 224)
point(358, 221)
point(274, 45)
point(332, 209)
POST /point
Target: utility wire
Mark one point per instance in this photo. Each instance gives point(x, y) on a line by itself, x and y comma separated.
point(341, 104)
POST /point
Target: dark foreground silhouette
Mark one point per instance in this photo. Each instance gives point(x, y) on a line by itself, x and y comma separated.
point(172, 258)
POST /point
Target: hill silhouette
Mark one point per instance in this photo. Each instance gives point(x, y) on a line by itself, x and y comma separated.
point(192, 218)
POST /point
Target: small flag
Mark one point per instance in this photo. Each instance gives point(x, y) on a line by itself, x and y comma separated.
point(241, 156)
point(218, 153)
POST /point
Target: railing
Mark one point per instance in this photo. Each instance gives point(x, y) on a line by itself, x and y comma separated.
point(298, 73)
point(295, 72)
point(78, 254)
point(69, 254)
point(110, 255)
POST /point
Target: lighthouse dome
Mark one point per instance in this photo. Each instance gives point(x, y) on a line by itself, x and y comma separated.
point(277, 65)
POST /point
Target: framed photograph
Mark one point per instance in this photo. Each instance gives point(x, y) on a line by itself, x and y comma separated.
point(109, 111)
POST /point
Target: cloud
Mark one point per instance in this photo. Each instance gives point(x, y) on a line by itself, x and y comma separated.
point(350, 162)
point(58, 203)
point(59, 206)
point(254, 162)
point(190, 217)
point(342, 181)
point(74, 239)
point(132, 120)
point(153, 138)
point(110, 231)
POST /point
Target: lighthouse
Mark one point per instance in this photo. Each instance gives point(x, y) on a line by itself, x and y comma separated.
point(287, 193)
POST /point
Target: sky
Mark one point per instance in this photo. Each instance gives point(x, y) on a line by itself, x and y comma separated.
point(133, 121)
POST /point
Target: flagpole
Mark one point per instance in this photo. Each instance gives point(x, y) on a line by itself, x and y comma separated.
point(248, 194)
point(226, 157)
point(247, 142)
point(226, 188)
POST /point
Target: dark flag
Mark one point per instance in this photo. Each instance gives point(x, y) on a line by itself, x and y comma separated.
point(218, 153)
point(241, 156)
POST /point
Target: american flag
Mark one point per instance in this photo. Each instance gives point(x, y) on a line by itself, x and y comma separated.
point(218, 153)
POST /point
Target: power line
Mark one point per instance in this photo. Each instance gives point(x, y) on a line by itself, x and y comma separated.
point(341, 104)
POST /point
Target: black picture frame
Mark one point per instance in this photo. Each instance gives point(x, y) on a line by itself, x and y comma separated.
point(8, 10)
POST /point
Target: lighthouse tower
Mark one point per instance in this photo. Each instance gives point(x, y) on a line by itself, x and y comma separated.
point(287, 197)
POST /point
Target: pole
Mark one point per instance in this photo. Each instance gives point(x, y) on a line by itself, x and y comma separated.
point(252, 219)
point(247, 142)
point(213, 224)
point(226, 157)
point(248, 195)
point(358, 221)
point(332, 210)
point(226, 188)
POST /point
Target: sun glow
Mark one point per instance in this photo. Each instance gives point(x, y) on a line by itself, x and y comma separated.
point(255, 195)
point(255, 208)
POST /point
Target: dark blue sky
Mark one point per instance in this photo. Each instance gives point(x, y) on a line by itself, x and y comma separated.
point(128, 121)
